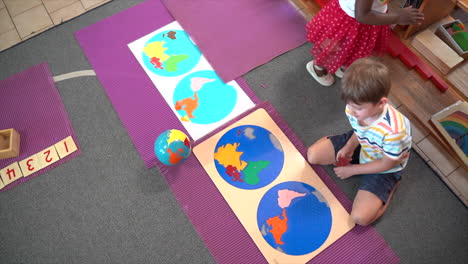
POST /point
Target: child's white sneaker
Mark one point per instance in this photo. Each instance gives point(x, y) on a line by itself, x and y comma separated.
point(325, 80)
point(339, 73)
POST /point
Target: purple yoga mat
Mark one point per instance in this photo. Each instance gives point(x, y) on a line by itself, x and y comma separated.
point(238, 35)
point(31, 104)
point(145, 114)
point(141, 108)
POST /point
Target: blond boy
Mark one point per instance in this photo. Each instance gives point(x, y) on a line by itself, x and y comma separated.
point(378, 144)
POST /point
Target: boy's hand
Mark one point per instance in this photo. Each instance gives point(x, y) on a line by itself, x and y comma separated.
point(342, 161)
point(343, 157)
point(409, 15)
point(344, 172)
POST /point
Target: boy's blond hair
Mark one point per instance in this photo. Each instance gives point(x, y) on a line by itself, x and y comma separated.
point(365, 81)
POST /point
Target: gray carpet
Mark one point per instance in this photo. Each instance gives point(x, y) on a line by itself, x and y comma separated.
point(104, 206)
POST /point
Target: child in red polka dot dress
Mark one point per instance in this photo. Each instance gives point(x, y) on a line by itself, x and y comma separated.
point(346, 30)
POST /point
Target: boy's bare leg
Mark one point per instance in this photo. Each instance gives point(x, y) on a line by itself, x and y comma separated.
point(321, 152)
point(382, 210)
point(367, 207)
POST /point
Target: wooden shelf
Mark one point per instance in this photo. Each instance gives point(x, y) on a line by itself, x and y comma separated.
point(433, 11)
point(421, 98)
point(311, 6)
point(463, 4)
point(457, 77)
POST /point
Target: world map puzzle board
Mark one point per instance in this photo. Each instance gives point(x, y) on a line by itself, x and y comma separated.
point(295, 207)
point(186, 80)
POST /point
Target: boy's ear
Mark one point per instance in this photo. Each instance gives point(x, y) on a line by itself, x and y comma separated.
point(383, 101)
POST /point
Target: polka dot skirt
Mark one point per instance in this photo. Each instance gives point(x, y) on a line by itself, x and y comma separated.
point(340, 39)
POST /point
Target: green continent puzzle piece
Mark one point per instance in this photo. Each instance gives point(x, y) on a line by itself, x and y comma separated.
point(171, 64)
point(252, 170)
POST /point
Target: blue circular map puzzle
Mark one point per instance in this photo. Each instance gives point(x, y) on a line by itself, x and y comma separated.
point(294, 218)
point(202, 97)
point(170, 53)
point(249, 157)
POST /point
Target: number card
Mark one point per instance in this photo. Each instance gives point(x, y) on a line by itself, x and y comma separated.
point(30, 165)
point(11, 173)
point(65, 147)
point(48, 156)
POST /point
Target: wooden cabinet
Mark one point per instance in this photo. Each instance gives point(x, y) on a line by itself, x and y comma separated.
point(434, 10)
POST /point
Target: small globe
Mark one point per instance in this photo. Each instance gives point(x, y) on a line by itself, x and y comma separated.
point(172, 147)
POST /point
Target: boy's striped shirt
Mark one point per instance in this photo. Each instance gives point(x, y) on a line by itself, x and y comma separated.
point(389, 135)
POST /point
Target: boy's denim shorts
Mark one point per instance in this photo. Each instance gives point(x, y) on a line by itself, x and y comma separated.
point(380, 184)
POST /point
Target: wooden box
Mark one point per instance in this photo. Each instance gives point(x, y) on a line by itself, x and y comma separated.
point(9, 143)
point(442, 33)
point(436, 51)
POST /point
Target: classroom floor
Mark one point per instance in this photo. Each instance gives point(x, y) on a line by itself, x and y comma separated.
point(23, 19)
point(105, 206)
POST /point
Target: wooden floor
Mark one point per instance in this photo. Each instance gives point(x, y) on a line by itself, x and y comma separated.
point(419, 99)
point(22, 19)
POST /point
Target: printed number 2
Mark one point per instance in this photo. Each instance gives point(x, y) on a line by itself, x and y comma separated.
point(47, 158)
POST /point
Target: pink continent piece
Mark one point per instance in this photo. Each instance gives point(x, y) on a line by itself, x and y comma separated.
point(286, 196)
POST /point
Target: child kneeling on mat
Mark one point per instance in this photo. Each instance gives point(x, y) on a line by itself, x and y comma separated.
point(377, 147)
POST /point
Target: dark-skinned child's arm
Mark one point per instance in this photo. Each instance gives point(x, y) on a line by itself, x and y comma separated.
point(402, 16)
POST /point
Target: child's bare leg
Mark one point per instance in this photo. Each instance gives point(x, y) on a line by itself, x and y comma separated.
point(321, 152)
point(382, 210)
point(366, 206)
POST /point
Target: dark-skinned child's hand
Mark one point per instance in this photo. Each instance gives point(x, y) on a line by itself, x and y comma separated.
point(409, 16)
